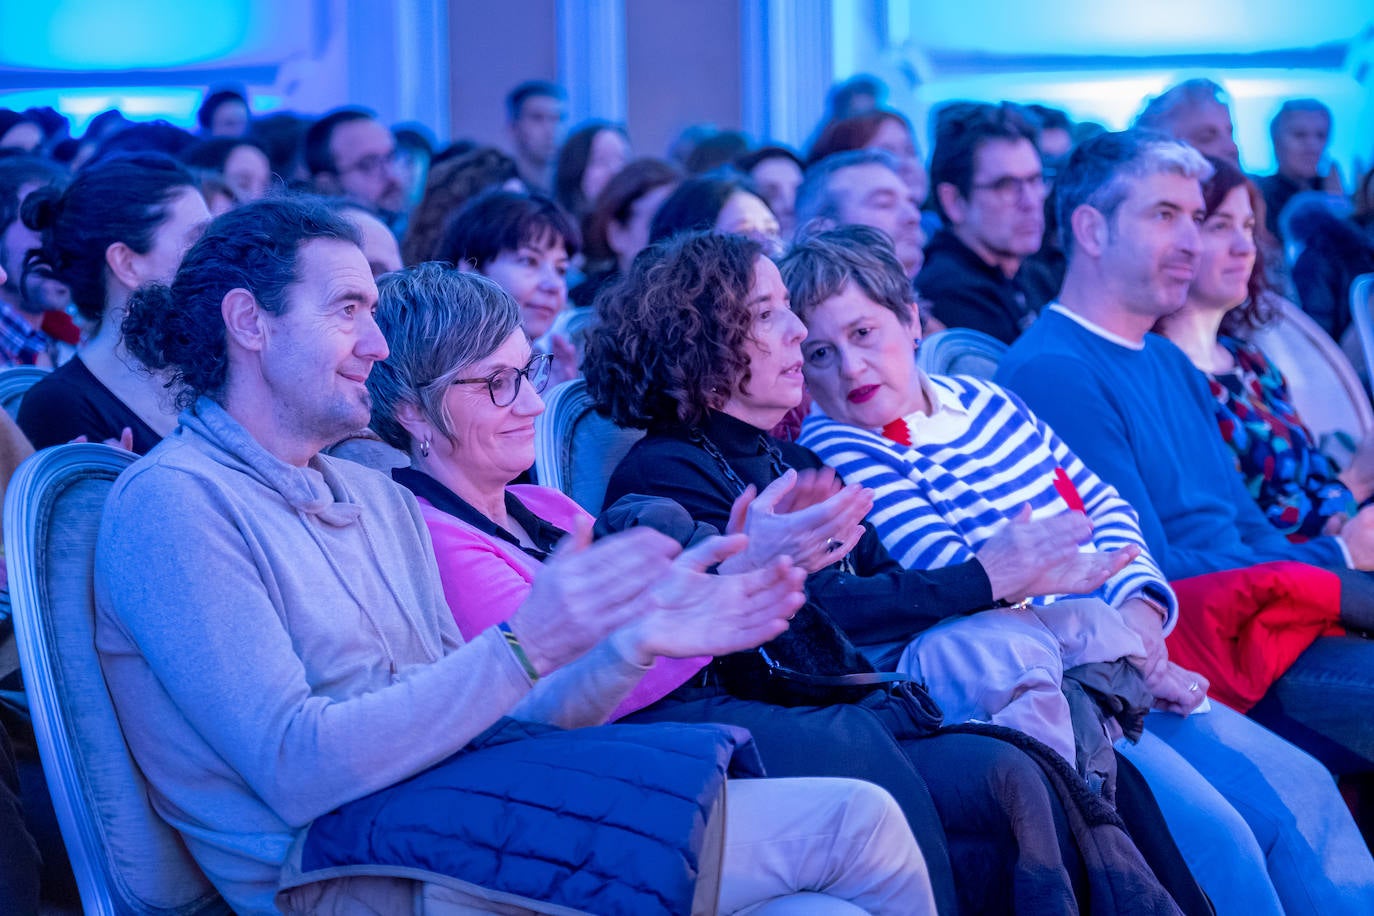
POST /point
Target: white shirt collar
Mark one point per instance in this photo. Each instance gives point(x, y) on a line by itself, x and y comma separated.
point(941, 399)
point(1096, 329)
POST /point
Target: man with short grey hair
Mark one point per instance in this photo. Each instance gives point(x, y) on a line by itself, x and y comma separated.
point(863, 187)
point(1134, 408)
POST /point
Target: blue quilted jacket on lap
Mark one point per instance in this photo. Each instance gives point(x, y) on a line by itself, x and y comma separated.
point(602, 820)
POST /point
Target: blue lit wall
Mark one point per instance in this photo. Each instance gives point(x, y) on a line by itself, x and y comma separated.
point(1096, 58)
point(1099, 59)
point(98, 35)
point(154, 58)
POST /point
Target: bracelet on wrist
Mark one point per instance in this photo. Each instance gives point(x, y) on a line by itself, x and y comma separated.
point(518, 651)
point(1152, 601)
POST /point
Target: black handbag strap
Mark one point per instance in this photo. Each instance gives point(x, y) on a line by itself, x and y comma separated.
point(862, 679)
point(858, 679)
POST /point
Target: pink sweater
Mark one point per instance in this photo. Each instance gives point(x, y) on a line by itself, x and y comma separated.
point(485, 580)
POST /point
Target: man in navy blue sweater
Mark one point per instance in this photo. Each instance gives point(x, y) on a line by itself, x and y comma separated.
point(1132, 406)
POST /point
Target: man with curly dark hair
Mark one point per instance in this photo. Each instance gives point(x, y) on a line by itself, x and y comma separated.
point(274, 636)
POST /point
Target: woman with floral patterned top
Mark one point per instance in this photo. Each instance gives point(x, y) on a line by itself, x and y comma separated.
point(1300, 489)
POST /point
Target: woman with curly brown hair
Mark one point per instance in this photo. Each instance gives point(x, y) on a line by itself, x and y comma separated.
point(697, 344)
point(1301, 490)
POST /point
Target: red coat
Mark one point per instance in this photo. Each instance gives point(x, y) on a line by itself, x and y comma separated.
point(1243, 628)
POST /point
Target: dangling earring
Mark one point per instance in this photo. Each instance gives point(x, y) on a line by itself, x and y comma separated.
point(424, 449)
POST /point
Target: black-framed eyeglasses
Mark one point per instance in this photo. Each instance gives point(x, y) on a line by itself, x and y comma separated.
point(504, 384)
point(1010, 187)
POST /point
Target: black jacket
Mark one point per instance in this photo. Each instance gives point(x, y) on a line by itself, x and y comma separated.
point(967, 292)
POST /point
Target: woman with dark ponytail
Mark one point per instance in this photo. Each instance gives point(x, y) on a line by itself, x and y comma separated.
point(121, 224)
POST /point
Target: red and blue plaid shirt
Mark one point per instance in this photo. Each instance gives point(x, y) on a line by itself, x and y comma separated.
point(21, 344)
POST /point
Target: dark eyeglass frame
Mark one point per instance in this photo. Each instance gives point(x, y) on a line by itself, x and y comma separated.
point(1009, 188)
point(540, 364)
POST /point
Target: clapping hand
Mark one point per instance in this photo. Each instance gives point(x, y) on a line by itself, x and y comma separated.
point(691, 612)
point(1032, 558)
point(587, 591)
point(807, 517)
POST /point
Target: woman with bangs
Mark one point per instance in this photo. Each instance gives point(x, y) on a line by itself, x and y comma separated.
point(525, 243)
point(720, 201)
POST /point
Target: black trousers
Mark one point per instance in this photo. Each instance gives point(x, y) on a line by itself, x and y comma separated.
point(951, 788)
point(19, 863)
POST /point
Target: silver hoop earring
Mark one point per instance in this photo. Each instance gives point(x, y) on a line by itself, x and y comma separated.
point(424, 449)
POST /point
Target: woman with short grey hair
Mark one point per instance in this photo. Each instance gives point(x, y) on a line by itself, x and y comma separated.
point(451, 323)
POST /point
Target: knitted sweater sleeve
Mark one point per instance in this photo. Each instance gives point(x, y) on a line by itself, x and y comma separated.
point(208, 655)
point(1091, 418)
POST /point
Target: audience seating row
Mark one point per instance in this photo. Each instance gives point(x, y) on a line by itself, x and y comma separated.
point(126, 859)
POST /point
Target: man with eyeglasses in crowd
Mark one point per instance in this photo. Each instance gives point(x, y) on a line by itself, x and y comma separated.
point(990, 191)
point(350, 154)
